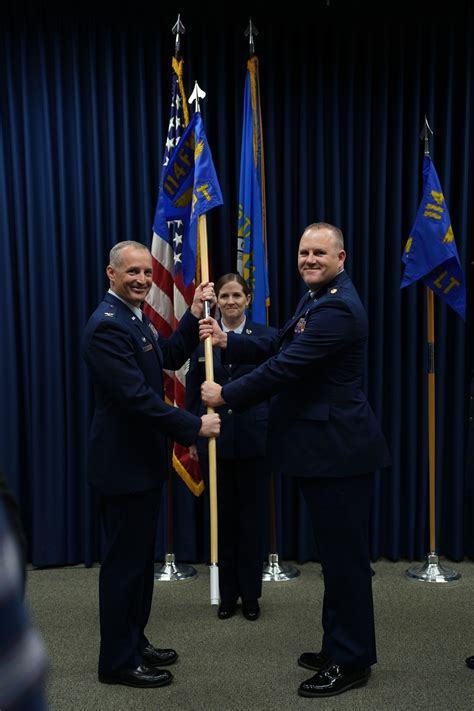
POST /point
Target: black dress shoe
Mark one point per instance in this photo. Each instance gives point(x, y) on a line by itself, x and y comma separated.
point(313, 660)
point(251, 609)
point(333, 680)
point(317, 661)
point(142, 676)
point(470, 662)
point(154, 657)
point(226, 610)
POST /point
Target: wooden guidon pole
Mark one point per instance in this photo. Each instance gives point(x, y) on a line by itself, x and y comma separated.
point(209, 364)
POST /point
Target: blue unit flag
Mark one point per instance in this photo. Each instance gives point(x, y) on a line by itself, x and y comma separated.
point(252, 247)
point(430, 252)
point(190, 188)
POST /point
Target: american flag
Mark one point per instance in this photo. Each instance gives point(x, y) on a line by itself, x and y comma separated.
point(168, 298)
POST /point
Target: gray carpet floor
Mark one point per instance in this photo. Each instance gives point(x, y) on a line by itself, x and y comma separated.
point(424, 632)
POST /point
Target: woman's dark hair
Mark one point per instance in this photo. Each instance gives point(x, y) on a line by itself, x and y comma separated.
point(226, 278)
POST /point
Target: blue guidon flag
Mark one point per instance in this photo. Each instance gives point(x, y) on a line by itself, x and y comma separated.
point(252, 225)
point(190, 188)
point(430, 252)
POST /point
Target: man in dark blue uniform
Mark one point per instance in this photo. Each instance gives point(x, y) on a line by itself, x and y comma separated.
point(322, 431)
point(128, 456)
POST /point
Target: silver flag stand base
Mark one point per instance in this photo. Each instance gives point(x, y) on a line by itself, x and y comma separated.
point(171, 572)
point(274, 572)
point(432, 572)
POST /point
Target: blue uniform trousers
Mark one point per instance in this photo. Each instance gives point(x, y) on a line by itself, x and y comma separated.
point(339, 508)
point(126, 577)
point(242, 495)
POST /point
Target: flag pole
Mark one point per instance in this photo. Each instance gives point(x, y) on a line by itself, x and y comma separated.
point(170, 570)
point(432, 571)
point(431, 417)
point(252, 261)
point(209, 367)
point(197, 94)
point(274, 571)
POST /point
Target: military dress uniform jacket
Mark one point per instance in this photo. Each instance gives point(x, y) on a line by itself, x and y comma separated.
point(243, 434)
point(125, 358)
point(320, 422)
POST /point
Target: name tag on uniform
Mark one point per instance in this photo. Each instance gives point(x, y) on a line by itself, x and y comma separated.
point(148, 347)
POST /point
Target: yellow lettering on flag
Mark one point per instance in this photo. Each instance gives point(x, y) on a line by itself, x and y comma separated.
point(438, 282)
point(434, 207)
point(178, 170)
point(452, 283)
point(185, 158)
point(203, 190)
point(449, 236)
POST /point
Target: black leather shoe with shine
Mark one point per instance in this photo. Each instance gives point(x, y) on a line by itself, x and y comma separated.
point(226, 610)
point(313, 660)
point(143, 677)
point(332, 680)
point(251, 609)
point(154, 657)
point(470, 662)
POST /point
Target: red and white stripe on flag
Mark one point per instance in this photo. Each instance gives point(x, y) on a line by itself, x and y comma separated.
point(168, 298)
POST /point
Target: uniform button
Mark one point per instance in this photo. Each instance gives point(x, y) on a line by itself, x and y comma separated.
point(229, 412)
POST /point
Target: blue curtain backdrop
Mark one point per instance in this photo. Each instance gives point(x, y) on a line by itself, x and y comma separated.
point(84, 104)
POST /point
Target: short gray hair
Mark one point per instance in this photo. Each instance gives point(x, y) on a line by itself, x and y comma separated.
point(115, 256)
point(337, 233)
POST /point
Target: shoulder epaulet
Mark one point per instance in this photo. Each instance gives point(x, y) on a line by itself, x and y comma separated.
point(110, 310)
